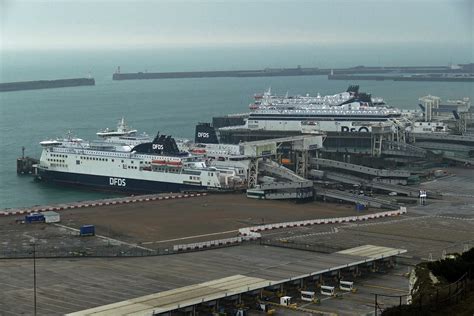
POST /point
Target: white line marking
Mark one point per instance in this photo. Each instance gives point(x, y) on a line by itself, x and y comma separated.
point(189, 237)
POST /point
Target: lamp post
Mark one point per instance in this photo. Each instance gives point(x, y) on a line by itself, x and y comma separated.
point(33, 243)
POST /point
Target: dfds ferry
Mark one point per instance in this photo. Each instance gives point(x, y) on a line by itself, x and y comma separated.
point(156, 166)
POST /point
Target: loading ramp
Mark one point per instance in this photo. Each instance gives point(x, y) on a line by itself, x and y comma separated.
point(403, 149)
point(350, 179)
point(384, 173)
point(356, 198)
point(293, 186)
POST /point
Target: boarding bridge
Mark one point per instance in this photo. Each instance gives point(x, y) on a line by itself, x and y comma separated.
point(295, 186)
point(274, 168)
point(464, 139)
point(445, 147)
point(350, 179)
point(403, 149)
point(360, 169)
point(355, 198)
point(464, 160)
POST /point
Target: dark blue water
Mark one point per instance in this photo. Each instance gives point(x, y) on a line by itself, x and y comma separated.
point(171, 106)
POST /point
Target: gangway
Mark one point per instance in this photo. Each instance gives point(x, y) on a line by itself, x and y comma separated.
point(445, 146)
point(356, 198)
point(403, 149)
point(360, 169)
point(350, 179)
point(295, 186)
point(469, 161)
point(464, 139)
point(274, 168)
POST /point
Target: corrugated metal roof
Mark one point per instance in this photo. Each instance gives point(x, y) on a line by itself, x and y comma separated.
point(208, 291)
point(180, 297)
point(374, 252)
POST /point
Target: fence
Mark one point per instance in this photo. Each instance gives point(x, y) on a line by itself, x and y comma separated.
point(324, 248)
point(336, 220)
point(422, 302)
point(248, 234)
point(98, 203)
point(109, 251)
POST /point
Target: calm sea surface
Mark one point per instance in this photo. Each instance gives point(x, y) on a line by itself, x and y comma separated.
point(171, 106)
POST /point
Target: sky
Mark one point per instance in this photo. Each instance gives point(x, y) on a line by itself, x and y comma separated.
point(87, 24)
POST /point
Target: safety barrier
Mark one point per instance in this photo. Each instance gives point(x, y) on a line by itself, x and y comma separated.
point(337, 220)
point(74, 205)
point(249, 236)
point(207, 244)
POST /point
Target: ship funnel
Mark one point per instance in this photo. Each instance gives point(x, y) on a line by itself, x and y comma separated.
point(161, 145)
point(205, 134)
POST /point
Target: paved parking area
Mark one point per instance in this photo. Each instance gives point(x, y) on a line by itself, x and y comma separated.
point(161, 224)
point(68, 285)
point(422, 236)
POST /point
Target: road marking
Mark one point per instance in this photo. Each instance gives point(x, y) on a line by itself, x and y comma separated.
point(106, 238)
point(189, 237)
point(384, 288)
point(367, 302)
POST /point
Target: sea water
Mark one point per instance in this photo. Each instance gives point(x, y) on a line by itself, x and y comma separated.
point(171, 106)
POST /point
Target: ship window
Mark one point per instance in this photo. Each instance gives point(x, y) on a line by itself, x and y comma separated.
point(78, 162)
point(113, 160)
point(122, 161)
point(132, 161)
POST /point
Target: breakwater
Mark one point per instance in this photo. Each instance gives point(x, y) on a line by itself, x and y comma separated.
point(298, 71)
point(425, 77)
point(45, 84)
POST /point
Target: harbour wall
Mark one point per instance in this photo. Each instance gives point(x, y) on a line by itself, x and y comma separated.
point(427, 77)
point(45, 84)
point(298, 71)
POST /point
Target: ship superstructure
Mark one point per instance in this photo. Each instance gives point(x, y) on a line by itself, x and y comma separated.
point(349, 111)
point(156, 166)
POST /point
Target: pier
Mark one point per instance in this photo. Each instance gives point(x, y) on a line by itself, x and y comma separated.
point(46, 84)
point(445, 77)
point(306, 71)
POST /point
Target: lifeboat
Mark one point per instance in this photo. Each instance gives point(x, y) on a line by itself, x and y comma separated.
point(253, 106)
point(174, 163)
point(159, 162)
point(198, 151)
